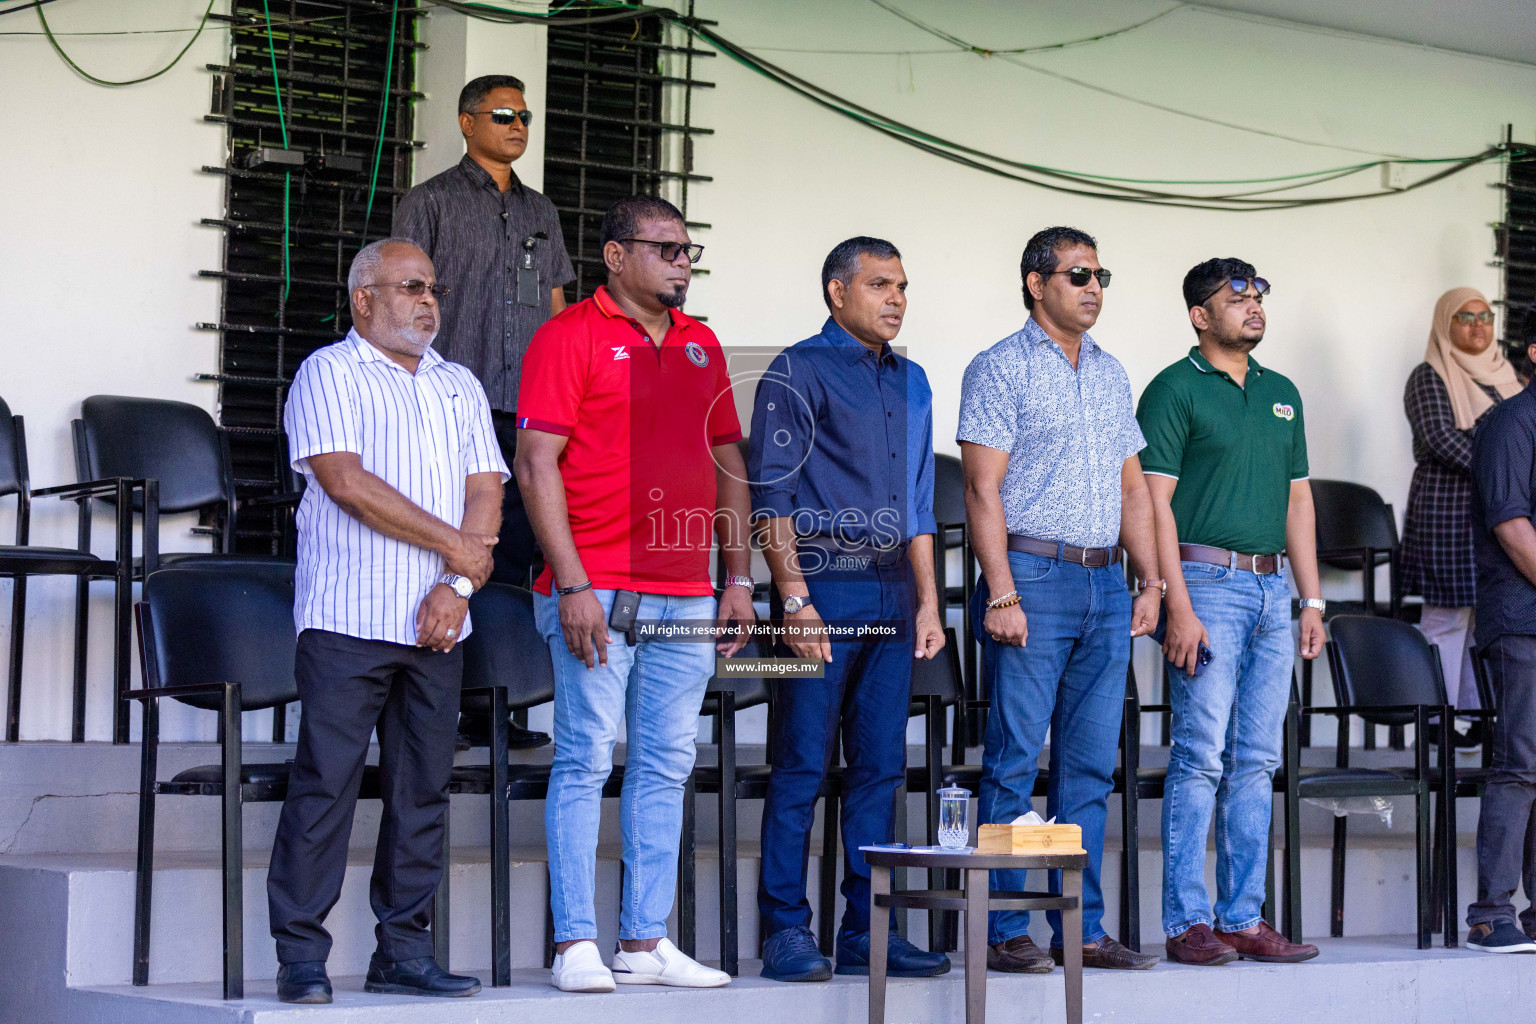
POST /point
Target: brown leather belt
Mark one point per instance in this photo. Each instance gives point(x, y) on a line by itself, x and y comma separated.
point(1263, 565)
point(1088, 558)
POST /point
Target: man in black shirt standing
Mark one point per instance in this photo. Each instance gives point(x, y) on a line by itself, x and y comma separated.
point(497, 248)
point(1503, 506)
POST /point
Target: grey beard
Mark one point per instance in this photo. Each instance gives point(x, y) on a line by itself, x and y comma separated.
point(673, 299)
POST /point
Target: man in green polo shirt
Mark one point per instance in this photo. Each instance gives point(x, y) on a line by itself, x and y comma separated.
point(1226, 460)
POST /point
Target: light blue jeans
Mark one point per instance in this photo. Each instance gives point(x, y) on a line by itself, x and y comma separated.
point(1228, 728)
point(656, 690)
point(1069, 678)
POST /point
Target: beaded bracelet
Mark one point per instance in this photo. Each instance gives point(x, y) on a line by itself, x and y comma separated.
point(1008, 600)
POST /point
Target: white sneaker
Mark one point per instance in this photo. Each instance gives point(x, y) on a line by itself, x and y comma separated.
point(665, 965)
point(580, 969)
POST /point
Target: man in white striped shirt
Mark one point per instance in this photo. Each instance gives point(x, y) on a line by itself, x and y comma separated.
point(395, 532)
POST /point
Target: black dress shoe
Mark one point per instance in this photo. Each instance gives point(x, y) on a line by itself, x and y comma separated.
point(303, 981)
point(475, 731)
point(419, 977)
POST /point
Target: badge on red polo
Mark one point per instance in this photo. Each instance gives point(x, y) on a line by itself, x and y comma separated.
point(696, 354)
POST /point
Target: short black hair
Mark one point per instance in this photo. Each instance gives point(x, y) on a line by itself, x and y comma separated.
point(1204, 278)
point(474, 94)
point(843, 261)
point(1040, 254)
point(623, 218)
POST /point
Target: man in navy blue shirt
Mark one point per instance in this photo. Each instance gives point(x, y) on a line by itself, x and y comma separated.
point(1503, 506)
point(841, 470)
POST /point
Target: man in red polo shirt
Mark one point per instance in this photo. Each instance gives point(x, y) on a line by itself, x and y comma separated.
point(626, 456)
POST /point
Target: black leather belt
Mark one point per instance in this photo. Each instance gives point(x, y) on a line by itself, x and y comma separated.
point(834, 550)
point(1262, 565)
point(1088, 558)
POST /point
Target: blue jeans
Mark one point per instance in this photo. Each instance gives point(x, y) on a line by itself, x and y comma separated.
point(865, 693)
point(656, 689)
point(1069, 677)
point(1228, 728)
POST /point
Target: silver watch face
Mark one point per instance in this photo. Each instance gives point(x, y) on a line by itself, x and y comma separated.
point(793, 604)
point(461, 585)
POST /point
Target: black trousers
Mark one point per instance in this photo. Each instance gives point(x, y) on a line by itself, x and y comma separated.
point(1506, 826)
point(516, 549)
point(348, 688)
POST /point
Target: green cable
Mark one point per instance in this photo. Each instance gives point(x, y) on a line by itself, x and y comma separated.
point(282, 122)
point(132, 81)
point(378, 149)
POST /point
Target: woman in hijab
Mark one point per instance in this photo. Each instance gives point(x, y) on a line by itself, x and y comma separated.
point(1463, 375)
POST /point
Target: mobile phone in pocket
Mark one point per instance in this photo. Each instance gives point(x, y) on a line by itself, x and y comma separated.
point(621, 617)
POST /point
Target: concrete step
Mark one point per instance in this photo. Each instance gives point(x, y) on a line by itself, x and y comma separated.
point(1363, 981)
point(93, 895)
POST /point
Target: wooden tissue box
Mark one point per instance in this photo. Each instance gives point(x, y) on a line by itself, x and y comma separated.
point(1027, 839)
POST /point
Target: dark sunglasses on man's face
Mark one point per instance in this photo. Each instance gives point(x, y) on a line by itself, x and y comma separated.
point(669, 250)
point(415, 288)
point(1241, 286)
point(506, 115)
point(1079, 276)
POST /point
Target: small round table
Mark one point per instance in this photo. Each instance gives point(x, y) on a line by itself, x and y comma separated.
point(975, 900)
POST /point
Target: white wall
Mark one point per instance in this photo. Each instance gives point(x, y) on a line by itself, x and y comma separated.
point(100, 196)
point(1354, 284)
point(102, 192)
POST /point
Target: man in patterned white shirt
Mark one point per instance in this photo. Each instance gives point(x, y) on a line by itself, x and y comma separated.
point(1048, 438)
point(395, 532)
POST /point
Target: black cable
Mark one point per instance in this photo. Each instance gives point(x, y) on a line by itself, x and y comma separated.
point(24, 7)
point(1095, 188)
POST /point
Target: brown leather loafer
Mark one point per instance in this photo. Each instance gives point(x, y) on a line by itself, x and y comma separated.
point(1110, 955)
point(1199, 947)
point(1019, 955)
point(1268, 946)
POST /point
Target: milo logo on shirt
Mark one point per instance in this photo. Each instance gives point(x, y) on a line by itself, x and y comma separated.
point(1284, 411)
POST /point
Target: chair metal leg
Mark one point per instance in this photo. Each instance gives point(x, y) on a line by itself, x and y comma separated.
point(441, 918)
point(826, 927)
point(279, 723)
point(729, 940)
point(82, 647)
point(1291, 923)
point(1268, 910)
point(687, 871)
point(143, 890)
point(1130, 827)
point(549, 920)
point(1336, 891)
point(18, 642)
point(123, 603)
point(1305, 725)
point(501, 847)
point(900, 830)
point(233, 843)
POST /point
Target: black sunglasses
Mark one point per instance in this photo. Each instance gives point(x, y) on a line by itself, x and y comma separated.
point(506, 115)
point(414, 287)
point(1078, 276)
point(669, 250)
point(1240, 286)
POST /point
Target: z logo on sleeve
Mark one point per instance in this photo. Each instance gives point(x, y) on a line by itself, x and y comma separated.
point(1285, 412)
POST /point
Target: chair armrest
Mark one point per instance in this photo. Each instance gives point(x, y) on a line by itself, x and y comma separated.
point(487, 690)
point(1476, 713)
point(1433, 710)
point(1156, 709)
point(87, 489)
point(173, 691)
point(289, 499)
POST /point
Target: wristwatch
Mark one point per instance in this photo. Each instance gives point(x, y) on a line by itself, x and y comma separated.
point(458, 584)
point(1315, 602)
point(795, 603)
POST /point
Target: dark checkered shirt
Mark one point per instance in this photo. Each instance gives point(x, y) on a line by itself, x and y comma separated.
point(1436, 554)
point(474, 233)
